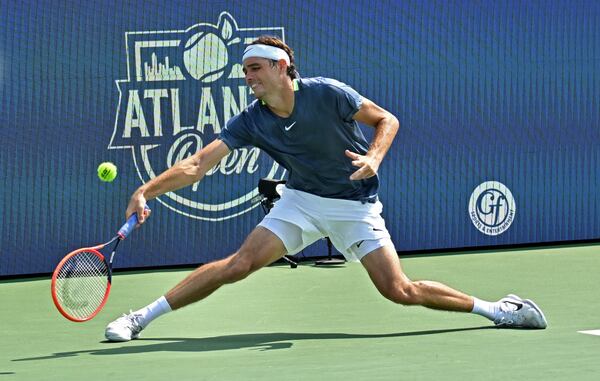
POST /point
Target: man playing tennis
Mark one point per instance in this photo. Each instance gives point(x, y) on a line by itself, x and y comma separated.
point(310, 127)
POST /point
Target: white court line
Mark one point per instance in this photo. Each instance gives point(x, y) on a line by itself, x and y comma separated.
point(595, 332)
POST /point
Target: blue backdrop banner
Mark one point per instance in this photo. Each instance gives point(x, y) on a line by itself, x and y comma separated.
point(498, 102)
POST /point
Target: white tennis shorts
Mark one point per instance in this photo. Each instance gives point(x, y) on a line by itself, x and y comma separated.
point(355, 229)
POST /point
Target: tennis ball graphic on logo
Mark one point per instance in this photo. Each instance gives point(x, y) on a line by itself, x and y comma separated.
point(205, 56)
point(205, 51)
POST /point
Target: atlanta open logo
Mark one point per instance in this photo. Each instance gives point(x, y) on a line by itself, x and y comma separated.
point(492, 208)
point(182, 87)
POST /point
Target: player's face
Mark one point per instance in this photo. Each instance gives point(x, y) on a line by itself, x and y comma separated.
point(261, 75)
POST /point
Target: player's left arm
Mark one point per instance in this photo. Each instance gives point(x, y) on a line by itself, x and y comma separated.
point(386, 126)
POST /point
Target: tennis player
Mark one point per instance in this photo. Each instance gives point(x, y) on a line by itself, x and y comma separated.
point(309, 126)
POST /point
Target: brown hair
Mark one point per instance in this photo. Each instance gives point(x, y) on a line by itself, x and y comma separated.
point(278, 43)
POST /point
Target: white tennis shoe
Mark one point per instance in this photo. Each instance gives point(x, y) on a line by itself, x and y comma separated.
point(519, 313)
point(125, 328)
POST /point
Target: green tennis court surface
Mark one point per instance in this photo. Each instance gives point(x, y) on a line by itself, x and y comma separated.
point(320, 324)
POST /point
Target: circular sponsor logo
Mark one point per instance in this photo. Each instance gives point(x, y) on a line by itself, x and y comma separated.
point(492, 208)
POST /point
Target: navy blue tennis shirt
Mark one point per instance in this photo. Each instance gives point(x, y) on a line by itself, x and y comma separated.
point(310, 143)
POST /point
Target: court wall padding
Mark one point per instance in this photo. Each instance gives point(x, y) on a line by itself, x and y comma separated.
point(499, 104)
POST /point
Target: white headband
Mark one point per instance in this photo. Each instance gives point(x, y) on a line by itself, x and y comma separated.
point(266, 51)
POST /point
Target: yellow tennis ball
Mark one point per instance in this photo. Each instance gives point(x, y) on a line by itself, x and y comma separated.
point(107, 171)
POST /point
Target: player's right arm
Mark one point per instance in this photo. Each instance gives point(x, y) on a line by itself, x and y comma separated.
point(182, 174)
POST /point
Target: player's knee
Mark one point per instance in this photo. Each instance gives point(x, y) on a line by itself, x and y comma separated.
point(401, 293)
point(238, 268)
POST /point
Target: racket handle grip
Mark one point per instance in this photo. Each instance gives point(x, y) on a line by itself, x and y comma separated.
point(127, 228)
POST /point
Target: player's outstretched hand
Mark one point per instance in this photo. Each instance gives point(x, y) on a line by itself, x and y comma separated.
point(367, 166)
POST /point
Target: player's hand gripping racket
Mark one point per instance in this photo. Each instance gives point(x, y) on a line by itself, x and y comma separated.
point(81, 281)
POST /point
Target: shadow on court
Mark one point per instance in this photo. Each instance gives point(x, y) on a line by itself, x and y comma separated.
point(256, 341)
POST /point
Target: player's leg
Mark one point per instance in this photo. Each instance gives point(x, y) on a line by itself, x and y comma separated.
point(260, 248)
point(384, 269)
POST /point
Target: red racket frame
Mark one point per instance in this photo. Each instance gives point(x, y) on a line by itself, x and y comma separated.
point(93, 250)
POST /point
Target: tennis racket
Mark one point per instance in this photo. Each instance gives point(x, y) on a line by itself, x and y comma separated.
point(81, 281)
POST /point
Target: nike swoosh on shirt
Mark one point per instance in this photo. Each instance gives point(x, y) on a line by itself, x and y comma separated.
point(287, 128)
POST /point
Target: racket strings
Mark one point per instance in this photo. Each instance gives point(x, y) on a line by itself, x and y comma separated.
point(81, 284)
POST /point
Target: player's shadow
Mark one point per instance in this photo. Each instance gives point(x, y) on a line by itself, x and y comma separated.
point(255, 341)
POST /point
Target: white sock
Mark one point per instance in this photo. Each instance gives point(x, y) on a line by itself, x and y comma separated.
point(153, 310)
point(486, 309)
